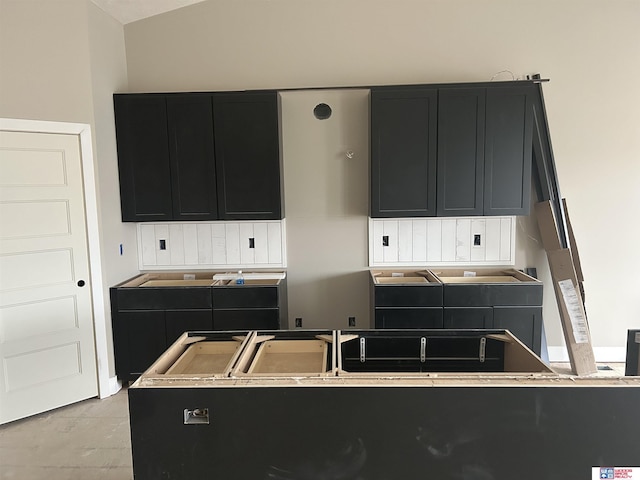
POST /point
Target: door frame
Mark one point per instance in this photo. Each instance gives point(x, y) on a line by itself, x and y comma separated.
point(83, 131)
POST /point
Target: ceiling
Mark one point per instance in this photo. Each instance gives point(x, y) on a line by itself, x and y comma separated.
point(127, 11)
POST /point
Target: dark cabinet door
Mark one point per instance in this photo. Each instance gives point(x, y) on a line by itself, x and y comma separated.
point(141, 340)
point(179, 321)
point(143, 157)
point(403, 152)
point(408, 317)
point(508, 147)
point(246, 319)
point(461, 132)
point(193, 173)
point(247, 156)
point(524, 322)
point(473, 317)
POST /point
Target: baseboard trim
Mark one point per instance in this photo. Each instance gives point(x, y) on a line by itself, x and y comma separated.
point(115, 385)
point(602, 354)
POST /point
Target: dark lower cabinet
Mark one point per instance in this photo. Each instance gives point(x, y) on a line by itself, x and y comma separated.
point(421, 405)
point(469, 317)
point(179, 321)
point(133, 357)
point(249, 319)
point(425, 317)
point(524, 322)
point(510, 305)
point(148, 319)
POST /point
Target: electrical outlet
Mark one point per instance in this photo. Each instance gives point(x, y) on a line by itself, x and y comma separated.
point(298, 322)
point(352, 321)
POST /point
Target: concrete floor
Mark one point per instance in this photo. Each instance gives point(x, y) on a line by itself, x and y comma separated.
point(88, 440)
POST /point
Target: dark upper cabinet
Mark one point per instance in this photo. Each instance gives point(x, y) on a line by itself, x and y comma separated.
point(478, 137)
point(198, 156)
point(143, 158)
point(508, 148)
point(403, 152)
point(191, 153)
point(461, 132)
point(247, 156)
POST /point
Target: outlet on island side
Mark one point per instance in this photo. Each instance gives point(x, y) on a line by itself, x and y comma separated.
point(298, 322)
point(352, 321)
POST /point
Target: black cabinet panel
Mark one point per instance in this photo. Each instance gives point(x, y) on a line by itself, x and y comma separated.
point(179, 321)
point(193, 176)
point(472, 317)
point(247, 156)
point(478, 137)
point(461, 132)
point(508, 148)
point(163, 298)
point(199, 156)
point(524, 322)
point(246, 319)
point(143, 157)
point(487, 295)
point(408, 295)
point(444, 433)
point(243, 296)
point(137, 355)
point(408, 317)
point(164, 313)
point(403, 152)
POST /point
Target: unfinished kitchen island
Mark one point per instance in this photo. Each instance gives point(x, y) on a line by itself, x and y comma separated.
point(374, 405)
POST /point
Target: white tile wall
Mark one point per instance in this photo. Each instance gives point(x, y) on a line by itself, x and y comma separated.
point(208, 245)
point(442, 241)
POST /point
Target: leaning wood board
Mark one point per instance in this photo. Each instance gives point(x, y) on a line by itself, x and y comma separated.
point(568, 297)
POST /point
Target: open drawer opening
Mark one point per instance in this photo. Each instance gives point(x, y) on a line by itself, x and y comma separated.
point(287, 354)
point(431, 351)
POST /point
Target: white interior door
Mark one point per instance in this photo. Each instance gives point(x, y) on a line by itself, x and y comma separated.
point(47, 350)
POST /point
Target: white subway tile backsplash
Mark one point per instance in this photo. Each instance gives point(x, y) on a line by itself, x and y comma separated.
point(405, 240)
point(176, 244)
point(147, 236)
point(233, 243)
point(419, 241)
point(442, 241)
point(260, 243)
point(275, 243)
point(390, 233)
point(219, 243)
point(463, 240)
point(190, 232)
point(492, 241)
point(208, 245)
point(247, 254)
point(434, 241)
point(205, 247)
point(448, 247)
point(163, 257)
point(479, 247)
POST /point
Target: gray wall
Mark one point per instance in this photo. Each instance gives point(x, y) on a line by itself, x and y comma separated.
point(62, 61)
point(326, 205)
point(590, 49)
